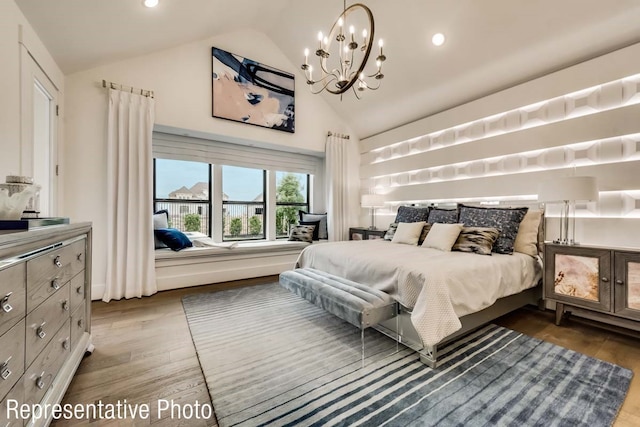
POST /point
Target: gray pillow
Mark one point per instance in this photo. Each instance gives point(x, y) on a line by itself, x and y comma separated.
point(322, 231)
point(412, 214)
point(160, 220)
point(507, 220)
point(443, 216)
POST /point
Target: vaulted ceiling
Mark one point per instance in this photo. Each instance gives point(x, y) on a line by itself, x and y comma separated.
point(490, 44)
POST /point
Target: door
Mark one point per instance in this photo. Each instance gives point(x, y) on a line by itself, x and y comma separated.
point(39, 114)
point(627, 284)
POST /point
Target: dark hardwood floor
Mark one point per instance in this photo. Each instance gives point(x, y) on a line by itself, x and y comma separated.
point(144, 353)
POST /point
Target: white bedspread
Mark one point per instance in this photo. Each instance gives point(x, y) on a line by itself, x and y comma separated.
point(438, 286)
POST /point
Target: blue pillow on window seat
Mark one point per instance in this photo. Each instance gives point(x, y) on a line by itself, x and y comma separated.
point(175, 239)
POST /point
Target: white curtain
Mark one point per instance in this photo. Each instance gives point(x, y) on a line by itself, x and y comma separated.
point(336, 175)
point(130, 247)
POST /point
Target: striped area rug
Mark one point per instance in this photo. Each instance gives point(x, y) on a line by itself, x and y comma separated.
point(272, 359)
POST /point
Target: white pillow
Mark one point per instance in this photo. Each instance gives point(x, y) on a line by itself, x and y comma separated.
point(442, 236)
point(408, 232)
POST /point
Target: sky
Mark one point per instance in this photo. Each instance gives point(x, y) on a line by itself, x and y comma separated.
point(240, 184)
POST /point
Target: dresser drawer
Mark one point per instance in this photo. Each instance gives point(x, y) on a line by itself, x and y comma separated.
point(76, 289)
point(42, 372)
point(45, 321)
point(12, 296)
point(78, 324)
point(11, 358)
point(16, 395)
point(47, 273)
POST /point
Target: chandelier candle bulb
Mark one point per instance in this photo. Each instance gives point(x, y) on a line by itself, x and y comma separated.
point(306, 56)
point(352, 31)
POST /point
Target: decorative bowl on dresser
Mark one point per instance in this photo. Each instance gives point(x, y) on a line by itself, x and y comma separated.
point(45, 312)
point(596, 282)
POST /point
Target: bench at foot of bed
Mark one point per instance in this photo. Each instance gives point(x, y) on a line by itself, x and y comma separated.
point(352, 302)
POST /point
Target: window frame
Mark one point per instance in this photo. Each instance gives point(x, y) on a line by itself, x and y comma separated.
point(307, 205)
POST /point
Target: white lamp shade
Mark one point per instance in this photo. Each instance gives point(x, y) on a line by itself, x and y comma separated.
point(372, 201)
point(575, 188)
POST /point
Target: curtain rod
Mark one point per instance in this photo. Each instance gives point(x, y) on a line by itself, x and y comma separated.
point(118, 86)
point(337, 135)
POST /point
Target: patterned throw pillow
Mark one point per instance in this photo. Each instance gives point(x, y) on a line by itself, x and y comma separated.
point(412, 214)
point(423, 235)
point(391, 231)
point(316, 227)
point(507, 220)
point(443, 216)
point(478, 240)
point(301, 233)
point(322, 232)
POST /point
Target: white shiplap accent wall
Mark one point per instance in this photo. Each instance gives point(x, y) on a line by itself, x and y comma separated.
point(584, 119)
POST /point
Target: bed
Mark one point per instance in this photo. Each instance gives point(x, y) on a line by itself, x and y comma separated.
point(442, 294)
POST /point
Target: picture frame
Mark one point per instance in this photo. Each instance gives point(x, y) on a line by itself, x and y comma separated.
point(246, 91)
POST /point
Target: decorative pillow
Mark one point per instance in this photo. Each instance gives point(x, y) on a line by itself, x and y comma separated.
point(412, 214)
point(443, 216)
point(478, 240)
point(391, 231)
point(442, 236)
point(175, 239)
point(507, 220)
point(316, 227)
point(527, 239)
point(322, 232)
point(425, 231)
point(408, 232)
point(301, 233)
point(160, 220)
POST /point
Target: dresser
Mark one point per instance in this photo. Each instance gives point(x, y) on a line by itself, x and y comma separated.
point(45, 315)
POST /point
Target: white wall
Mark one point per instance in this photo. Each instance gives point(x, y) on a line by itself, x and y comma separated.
point(582, 120)
point(14, 29)
point(181, 80)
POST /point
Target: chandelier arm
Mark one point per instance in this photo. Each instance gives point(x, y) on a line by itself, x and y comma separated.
point(322, 88)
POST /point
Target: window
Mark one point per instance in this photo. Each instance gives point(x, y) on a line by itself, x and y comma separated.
point(292, 195)
point(243, 203)
point(183, 188)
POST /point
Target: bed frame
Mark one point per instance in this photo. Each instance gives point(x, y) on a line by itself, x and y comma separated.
point(408, 336)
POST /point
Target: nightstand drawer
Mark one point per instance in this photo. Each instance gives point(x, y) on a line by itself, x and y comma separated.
point(76, 290)
point(44, 322)
point(47, 273)
point(12, 296)
point(11, 358)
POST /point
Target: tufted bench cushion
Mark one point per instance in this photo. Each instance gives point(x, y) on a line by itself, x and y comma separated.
point(352, 302)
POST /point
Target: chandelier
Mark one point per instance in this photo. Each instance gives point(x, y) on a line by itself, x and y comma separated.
point(342, 60)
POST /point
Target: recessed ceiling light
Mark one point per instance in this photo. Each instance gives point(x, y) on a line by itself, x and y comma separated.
point(437, 39)
point(150, 3)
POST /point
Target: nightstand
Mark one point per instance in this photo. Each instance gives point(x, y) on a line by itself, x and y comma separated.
point(364, 233)
point(598, 283)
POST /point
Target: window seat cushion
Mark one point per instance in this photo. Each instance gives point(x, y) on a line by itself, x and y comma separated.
point(242, 248)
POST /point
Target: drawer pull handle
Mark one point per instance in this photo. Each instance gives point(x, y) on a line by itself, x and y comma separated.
point(5, 372)
point(619, 282)
point(65, 305)
point(57, 261)
point(40, 331)
point(80, 256)
point(605, 279)
point(81, 323)
point(65, 344)
point(55, 284)
point(79, 290)
point(6, 307)
point(40, 381)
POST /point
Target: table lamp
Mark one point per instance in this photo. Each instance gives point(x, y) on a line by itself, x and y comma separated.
point(372, 201)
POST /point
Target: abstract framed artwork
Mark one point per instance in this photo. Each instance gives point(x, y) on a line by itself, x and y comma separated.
point(247, 91)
